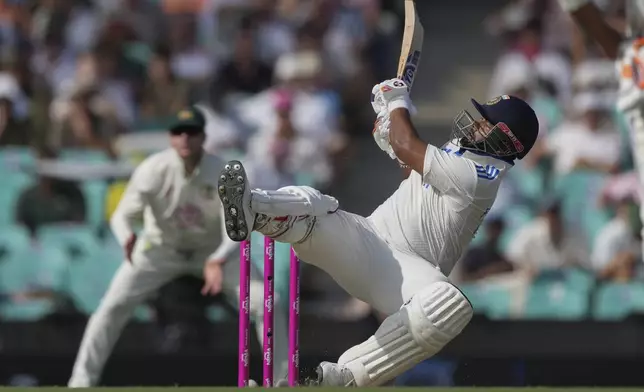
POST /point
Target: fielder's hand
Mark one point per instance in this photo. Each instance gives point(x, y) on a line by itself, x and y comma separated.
point(213, 276)
point(129, 247)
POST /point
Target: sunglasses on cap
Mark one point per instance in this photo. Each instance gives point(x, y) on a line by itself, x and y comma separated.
point(190, 131)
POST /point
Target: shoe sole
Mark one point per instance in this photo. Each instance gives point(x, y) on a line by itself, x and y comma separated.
point(231, 187)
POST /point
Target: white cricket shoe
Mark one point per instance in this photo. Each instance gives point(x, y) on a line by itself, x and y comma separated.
point(333, 375)
point(235, 196)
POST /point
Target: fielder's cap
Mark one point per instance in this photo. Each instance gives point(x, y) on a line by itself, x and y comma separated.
point(516, 114)
point(190, 117)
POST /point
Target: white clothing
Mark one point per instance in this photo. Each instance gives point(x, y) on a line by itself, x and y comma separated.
point(313, 115)
point(573, 141)
point(409, 242)
point(152, 267)
point(532, 246)
point(614, 238)
point(180, 212)
point(182, 230)
point(436, 216)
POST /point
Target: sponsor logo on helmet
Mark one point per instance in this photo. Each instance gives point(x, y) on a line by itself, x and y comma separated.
point(497, 99)
point(518, 146)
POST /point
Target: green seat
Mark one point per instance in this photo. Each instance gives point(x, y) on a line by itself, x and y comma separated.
point(515, 217)
point(95, 193)
point(559, 295)
point(84, 155)
point(32, 268)
point(79, 241)
point(13, 239)
point(13, 183)
point(578, 193)
point(14, 157)
point(616, 301)
point(530, 182)
point(89, 279)
point(492, 301)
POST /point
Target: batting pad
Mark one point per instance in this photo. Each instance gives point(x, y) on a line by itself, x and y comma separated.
point(419, 330)
point(292, 201)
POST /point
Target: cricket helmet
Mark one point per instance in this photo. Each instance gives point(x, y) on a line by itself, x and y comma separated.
point(514, 128)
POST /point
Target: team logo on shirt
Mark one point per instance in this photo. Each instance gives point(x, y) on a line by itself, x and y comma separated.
point(208, 192)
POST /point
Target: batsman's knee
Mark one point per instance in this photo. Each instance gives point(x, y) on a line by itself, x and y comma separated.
point(420, 329)
point(437, 314)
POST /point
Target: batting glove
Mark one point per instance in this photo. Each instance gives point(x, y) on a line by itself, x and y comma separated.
point(381, 134)
point(395, 95)
point(377, 103)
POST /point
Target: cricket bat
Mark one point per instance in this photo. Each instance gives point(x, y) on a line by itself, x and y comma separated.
point(412, 45)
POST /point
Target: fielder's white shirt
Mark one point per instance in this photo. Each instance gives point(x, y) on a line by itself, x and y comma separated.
point(436, 215)
point(179, 211)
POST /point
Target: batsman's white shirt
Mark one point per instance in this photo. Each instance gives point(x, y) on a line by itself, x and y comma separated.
point(181, 212)
point(436, 215)
point(411, 241)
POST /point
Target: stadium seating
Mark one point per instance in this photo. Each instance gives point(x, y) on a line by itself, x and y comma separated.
point(32, 269)
point(494, 302)
point(616, 301)
point(79, 241)
point(559, 294)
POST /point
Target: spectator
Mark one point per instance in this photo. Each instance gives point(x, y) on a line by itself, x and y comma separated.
point(88, 121)
point(544, 244)
point(50, 200)
point(617, 251)
point(314, 112)
point(244, 73)
point(163, 94)
point(525, 42)
point(279, 157)
point(189, 60)
point(486, 259)
point(590, 142)
point(13, 131)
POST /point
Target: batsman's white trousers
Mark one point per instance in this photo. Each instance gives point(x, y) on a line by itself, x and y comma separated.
point(349, 248)
point(151, 268)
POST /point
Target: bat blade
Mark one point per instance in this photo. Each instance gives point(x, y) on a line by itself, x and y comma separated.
point(412, 44)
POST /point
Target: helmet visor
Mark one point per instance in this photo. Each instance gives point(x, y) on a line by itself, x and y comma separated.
point(497, 140)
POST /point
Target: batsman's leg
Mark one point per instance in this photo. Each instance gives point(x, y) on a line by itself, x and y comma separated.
point(286, 215)
point(419, 330)
point(131, 285)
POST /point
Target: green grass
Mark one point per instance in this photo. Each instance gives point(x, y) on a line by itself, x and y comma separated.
point(226, 389)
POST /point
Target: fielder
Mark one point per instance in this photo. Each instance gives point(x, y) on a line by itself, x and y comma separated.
point(628, 51)
point(397, 259)
point(175, 193)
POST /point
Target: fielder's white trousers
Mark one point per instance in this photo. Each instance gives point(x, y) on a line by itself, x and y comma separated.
point(152, 267)
point(348, 247)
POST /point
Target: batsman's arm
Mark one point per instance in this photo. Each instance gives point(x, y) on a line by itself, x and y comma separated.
point(407, 145)
point(591, 21)
point(130, 209)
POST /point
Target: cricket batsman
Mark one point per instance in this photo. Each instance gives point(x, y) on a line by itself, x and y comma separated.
point(397, 259)
point(174, 192)
point(628, 51)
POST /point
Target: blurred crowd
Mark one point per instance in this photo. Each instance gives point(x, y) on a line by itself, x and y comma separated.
point(87, 88)
point(563, 239)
